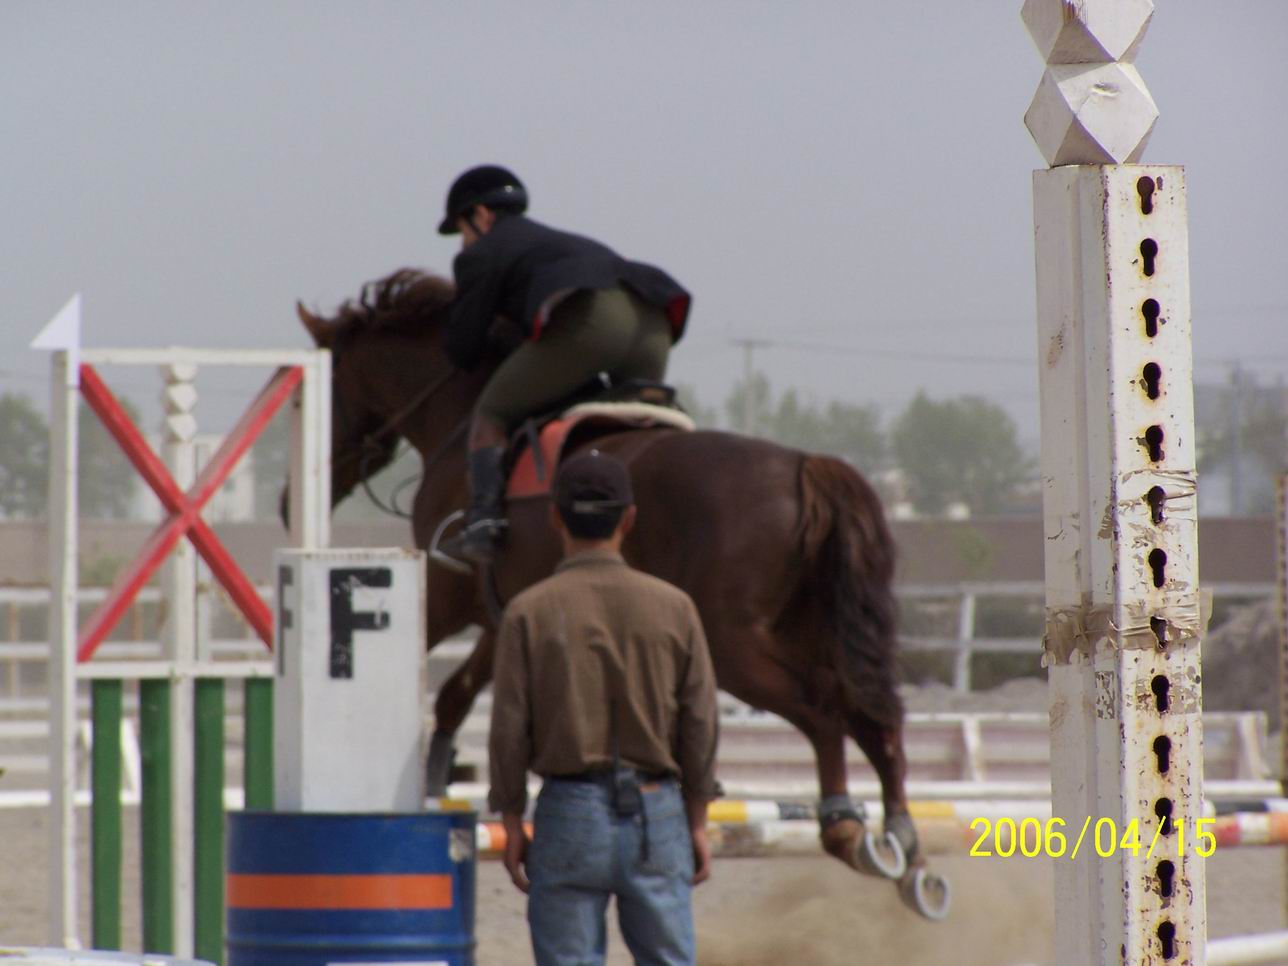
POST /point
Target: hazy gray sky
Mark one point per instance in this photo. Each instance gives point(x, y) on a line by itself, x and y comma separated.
point(854, 174)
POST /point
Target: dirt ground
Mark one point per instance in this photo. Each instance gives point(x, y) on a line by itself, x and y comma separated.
point(756, 912)
point(753, 911)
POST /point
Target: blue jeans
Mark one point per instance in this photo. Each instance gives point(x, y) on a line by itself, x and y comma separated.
point(582, 853)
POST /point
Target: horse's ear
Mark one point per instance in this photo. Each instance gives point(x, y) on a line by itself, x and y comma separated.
point(317, 328)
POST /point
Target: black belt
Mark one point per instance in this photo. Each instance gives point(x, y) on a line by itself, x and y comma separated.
point(605, 776)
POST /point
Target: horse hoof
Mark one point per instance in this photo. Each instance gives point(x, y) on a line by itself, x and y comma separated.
point(880, 855)
point(463, 773)
point(438, 766)
point(926, 893)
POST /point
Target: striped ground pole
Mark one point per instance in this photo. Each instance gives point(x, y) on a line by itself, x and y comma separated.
point(764, 829)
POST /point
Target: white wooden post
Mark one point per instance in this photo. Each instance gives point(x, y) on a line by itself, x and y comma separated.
point(179, 429)
point(310, 481)
point(1123, 615)
point(64, 929)
point(965, 642)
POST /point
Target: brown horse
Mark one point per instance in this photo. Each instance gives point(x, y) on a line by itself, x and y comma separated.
point(787, 556)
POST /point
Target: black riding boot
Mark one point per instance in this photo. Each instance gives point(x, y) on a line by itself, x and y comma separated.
point(485, 520)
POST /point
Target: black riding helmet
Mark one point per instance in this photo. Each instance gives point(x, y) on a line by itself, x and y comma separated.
point(488, 184)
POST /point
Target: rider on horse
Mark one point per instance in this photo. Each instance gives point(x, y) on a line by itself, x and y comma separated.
point(583, 309)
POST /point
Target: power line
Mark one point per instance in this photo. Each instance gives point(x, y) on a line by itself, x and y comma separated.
point(915, 355)
point(1277, 363)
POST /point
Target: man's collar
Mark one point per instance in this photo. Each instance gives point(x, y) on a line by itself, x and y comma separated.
point(590, 558)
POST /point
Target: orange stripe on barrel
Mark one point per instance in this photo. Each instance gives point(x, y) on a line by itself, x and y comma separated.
point(339, 891)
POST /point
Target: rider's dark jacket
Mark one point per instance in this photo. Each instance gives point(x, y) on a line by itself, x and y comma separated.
point(522, 269)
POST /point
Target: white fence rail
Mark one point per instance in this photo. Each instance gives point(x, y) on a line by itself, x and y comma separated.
point(957, 605)
point(950, 755)
point(963, 601)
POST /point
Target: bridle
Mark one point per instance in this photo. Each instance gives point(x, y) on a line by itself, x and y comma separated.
point(369, 448)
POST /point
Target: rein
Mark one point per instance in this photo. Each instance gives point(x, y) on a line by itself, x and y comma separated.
point(417, 401)
point(427, 465)
point(369, 448)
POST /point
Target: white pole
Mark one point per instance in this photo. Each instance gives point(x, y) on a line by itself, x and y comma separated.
point(1123, 615)
point(965, 642)
point(310, 480)
point(179, 398)
point(63, 921)
point(1271, 947)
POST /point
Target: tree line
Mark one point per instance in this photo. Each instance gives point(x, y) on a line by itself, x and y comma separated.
point(933, 454)
point(105, 480)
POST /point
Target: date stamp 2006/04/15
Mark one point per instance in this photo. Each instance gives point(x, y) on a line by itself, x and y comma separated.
point(1032, 837)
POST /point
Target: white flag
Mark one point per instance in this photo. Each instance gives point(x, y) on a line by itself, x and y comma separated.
point(64, 332)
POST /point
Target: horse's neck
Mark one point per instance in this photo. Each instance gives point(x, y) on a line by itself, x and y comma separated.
point(437, 420)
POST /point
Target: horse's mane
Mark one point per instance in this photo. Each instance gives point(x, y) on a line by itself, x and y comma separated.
point(406, 300)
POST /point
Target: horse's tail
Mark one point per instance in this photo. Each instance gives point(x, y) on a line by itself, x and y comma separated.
point(849, 557)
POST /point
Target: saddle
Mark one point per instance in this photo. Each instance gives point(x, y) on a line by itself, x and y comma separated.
point(539, 445)
point(537, 448)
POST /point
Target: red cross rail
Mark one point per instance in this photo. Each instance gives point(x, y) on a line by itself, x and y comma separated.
point(184, 509)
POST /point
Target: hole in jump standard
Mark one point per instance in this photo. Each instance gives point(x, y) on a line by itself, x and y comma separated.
point(1162, 699)
point(1151, 310)
point(1150, 378)
point(1166, 873)
point(1153, 441)
point(1157, 499)
point(1163, 809)
point(1167, 937)
point(1159, 627)
point(1145, 188)
point(1158, 564)
point(1163, 751)
point(1148, 252)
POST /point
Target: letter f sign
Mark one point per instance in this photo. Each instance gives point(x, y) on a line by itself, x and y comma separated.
point(345, 620)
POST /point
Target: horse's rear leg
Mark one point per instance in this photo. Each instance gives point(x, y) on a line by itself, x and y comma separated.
point(843, 827)
point(883, 746)
point(455, 698)
point(766, 684)
point(924, 891)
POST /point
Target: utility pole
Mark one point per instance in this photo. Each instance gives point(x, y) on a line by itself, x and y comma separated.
point(1236, 439)
point(749, 346)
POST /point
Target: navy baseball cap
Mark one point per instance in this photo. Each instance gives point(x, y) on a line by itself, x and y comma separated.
point(593, 482)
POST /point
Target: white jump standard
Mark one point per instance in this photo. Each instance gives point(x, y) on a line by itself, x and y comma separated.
point(181, 695)
point(1118, 471)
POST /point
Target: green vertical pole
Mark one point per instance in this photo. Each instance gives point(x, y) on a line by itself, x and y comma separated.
point(259, 743)
point(105, 799)
point(157, 868)
point(208, 820)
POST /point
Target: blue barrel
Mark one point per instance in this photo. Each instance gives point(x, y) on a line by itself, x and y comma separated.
point(308, 889)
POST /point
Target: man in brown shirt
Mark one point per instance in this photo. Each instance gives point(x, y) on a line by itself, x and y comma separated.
point(604, 687)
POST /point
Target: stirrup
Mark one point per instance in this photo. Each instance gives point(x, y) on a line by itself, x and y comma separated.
point(477, 541)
